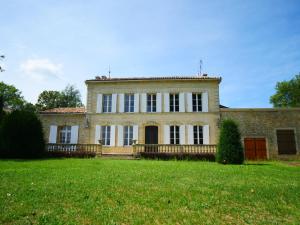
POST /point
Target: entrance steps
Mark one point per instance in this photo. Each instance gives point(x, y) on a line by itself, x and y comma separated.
point(117, 156)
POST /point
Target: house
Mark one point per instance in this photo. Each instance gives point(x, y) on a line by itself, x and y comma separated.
point(169, 111)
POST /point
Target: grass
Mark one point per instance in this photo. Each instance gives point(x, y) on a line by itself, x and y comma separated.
point(93, 191)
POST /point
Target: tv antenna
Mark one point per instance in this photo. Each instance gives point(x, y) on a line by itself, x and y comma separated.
point(200, 67)
point(109, 71)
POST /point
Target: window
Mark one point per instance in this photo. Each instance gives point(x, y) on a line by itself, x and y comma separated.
point(105, 135)
point(174, 135)
point(129, 102)
point(151, 103)
point(197, 102)
point(174, 102)
point(107, 103)
point(65, 135)
point(198, 135)
point(128, 135)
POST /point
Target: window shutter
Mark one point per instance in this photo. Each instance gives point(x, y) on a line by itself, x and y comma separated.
point(167, 103)
point(120, 135)
point(189, 102)
point(158, 102)
point(190, 134)
point(114, 103)
point(136, 102)
point(204, 102)
point(166, 134)
point(182, 134)
point(112, 135)
point(74, 134)
point(143, 102)
point(99, 103)
point(97, 134)
point(136, 133)
point(53, 134)
point(121, 103)
point(206, 134)
point(181, 102)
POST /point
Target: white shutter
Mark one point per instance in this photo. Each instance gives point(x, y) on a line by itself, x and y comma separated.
point(136, 133)
point(166, 102)
point(74, 134)
point(166, 134)
point(99, 103)
point(97, 134)
point(112, 135)
point(190, 134)
point(204, 102)
point(158, 102)
point(181, 102)
point(53, 134)
point(121, 103)
point(182, 134)
point(120, 135)
point(114, 103)
point(143, 102)
point(189, 102)
point(136, 102)
point(206, 134)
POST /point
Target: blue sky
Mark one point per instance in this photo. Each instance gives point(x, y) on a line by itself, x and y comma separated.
point(250, 44)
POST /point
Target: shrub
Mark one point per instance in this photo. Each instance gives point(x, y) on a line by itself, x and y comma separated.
point(21, 135)
point(230, 149)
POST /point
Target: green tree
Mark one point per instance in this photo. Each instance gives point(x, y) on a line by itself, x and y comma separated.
point(69, 97)
point(287, 93)
point(49, 100)
point(11, 97)
point(230, 149)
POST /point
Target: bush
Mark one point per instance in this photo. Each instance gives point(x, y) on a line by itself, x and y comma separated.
point(230, 149)
point(178, 156)
point(21, 136)
point(70, 154)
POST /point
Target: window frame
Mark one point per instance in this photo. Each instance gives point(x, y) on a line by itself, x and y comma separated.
point(127, 135)
point(65, 133)
point(174, 135)
point(197, 102)
point(151, 100)
point(107, 103)
point(198, 137)
point(174, 102)
point(106, 135)
point(129, 103)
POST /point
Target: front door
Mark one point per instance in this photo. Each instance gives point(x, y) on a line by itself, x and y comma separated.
point(255, 148)
point(151, 137)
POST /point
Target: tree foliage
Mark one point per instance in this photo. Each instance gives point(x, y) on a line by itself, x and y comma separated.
point(287, 93)
point(69, 97)
point(230, 149)
point(21, 135)
point(11, 97)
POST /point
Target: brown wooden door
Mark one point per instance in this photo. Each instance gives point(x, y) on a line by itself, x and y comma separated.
point(151, 137)
point(286, 142)
point(255, 148)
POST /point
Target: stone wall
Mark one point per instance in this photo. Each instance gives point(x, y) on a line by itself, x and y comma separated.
point(264, 123)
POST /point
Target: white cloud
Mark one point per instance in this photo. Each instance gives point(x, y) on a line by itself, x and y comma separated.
point(41, 69)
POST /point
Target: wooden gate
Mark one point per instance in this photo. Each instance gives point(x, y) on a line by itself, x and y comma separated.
point(255, 148)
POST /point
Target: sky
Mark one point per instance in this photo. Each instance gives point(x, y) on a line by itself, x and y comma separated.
point(251, 44)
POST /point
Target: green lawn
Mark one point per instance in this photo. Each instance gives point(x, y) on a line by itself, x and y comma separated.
point(95, 191)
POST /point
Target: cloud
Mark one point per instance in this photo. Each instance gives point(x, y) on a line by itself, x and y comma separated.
point(41, 69)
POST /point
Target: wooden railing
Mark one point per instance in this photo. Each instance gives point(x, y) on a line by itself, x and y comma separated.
point(74, 147)
point(174, 149)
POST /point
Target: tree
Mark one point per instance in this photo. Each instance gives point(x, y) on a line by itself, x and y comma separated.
point(49, 100)
point(287, 93)
point(21, 135)
point(69, 97)
point(11, 97)
point(230, 149)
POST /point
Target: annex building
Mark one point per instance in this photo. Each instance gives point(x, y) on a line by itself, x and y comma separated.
point(183, 111)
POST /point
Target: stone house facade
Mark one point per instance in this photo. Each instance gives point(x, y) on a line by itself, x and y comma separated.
point(163, 110)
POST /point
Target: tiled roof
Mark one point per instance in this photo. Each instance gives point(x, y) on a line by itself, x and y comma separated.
point(106, 79)
point(69, 110)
